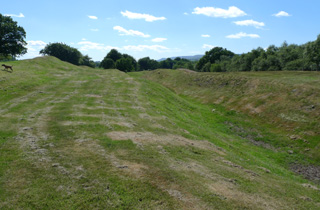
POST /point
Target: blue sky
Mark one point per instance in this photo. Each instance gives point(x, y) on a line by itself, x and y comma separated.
point(163, 28)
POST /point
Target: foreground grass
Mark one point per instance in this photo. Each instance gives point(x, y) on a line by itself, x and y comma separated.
point(79, 138)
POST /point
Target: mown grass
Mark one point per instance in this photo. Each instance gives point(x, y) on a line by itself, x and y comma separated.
point(57, 153)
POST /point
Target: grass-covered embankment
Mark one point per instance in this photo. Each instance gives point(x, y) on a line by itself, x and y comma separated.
point(80, 138)
point(286, 102)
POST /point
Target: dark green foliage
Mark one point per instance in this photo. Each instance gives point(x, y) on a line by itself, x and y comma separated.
point(125, 64)
point(114, 55)
point(288, 53)
point(183, 63)
point(213, 56)
point(12, 37)
point(7, 58)
point(312, 53)
point(63, 52)
point(132, 60)
point(147, 64)
point(166, 64)
point(111, 61)
point(107, 63)
point(206, 67)
point(285, 57)
point(259, 64)
point(273, 63)
point(87, 61)
point(215, 68)
point(177, 63)
point(301, 64)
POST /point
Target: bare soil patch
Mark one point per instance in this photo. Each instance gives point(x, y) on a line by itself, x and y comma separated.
point(151, 138)
point(93, 96)
point(310, 172)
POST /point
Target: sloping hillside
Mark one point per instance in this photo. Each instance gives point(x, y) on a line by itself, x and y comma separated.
point(285, 102)
point(80, 138)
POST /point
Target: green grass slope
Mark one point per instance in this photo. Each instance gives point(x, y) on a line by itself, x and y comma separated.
point(286, 102)
point(80, 138)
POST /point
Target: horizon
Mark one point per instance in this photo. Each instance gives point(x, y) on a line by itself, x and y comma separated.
point(152, 29)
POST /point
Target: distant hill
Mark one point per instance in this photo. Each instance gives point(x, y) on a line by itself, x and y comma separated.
point(192, 57)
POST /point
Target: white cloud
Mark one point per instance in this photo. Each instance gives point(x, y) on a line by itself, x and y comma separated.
point(186, 13)
point(87, 45)
point(208, 46)
point(33, 48)
point(205, 35)
point(282, 14)
point(253, 23)
point(125, 32)
point(36, 43)
point(159, 39)
point(157, 48)
point(242, 35)
point(13, 15)
point(231, 12)
point(94, 29)
point(146, 17)
point(92, 17)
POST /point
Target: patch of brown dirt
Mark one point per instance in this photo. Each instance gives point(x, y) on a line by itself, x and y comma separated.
point(93, 96)
point(123, 124)
point(310, 172)
point(151, 138)
point(228, 190)
point(252, 110)
point(187, 70)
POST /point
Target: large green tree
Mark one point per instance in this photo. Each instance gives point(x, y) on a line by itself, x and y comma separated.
point(114, 55)
point(147, 64)
point(133, 61)
point(166, 64)
point(63, 52)
point(213, 56)
point(107, 63)
point(12, 38)
point(125, 64)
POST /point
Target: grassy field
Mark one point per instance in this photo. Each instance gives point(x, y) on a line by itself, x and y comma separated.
point(80, 138)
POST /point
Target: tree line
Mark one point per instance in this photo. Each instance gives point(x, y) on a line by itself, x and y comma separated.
point(127, 63)
point(218, 59)
point(114, 59)
point(286, 57)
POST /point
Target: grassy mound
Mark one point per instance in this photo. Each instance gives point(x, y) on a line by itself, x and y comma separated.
point(80, 138)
